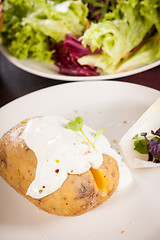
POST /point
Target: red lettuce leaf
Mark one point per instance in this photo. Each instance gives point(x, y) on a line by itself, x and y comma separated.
point(67, 54)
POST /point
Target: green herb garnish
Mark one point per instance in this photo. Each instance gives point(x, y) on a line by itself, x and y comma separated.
point(98, 133)
point(141, 146)
point(77, 125)
point(144, 134)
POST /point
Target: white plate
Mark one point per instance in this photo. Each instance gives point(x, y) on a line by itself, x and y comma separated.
point(133, 214)
point(49, 70)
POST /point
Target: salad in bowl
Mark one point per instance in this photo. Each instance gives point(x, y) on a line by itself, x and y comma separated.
point(83, 37)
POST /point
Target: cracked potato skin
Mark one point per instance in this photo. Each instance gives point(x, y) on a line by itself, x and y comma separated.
point(78, 193)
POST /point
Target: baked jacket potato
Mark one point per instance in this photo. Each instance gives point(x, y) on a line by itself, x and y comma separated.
point(1, 14)
point(78, 194)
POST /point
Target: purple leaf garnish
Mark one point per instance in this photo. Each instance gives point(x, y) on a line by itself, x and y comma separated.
point(157, 133)
point(150, 157)
point(154, 148)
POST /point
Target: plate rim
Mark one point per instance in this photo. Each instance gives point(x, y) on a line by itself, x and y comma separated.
point(77, 83)
point(21, 65)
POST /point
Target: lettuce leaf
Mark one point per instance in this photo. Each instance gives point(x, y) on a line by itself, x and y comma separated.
point(151, 10)
point(121, 31)
point(102, 61)
point(29, 25)
point(147, 54)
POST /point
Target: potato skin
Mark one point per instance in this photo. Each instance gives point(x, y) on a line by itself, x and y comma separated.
point(78, 193)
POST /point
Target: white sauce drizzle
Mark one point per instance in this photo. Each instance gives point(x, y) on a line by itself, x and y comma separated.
point(60, 151)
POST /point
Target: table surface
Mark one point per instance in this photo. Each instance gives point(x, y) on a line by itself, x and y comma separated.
point(15, 82)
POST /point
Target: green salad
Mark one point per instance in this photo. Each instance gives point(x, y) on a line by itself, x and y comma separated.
point(84, 38)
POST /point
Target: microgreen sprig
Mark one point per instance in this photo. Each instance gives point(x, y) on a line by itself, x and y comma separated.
point(77, 125)
point(100, 131)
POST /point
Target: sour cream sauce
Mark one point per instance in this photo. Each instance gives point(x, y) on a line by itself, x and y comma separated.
point(61, 151)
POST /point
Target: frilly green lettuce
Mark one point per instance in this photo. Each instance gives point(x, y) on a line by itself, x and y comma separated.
point(29, 24)
point(147, 54)
point(121, 31)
